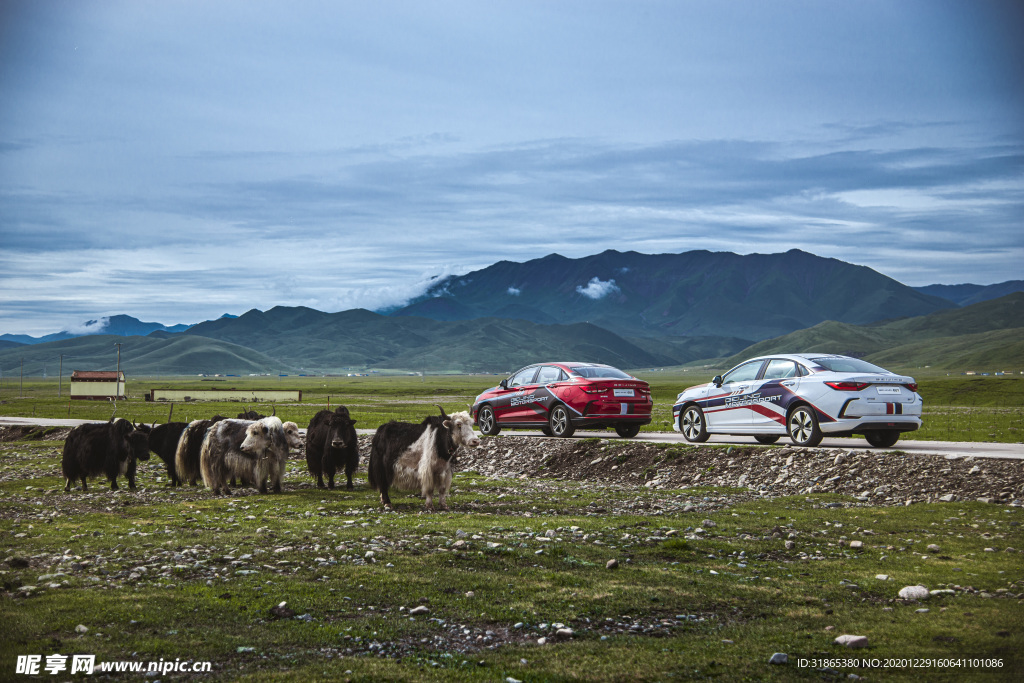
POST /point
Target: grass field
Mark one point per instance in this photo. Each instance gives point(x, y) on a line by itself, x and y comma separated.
point(705, 586)
point(956, 408)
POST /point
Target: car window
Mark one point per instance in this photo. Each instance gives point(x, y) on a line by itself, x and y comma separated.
point(600, 372)
point(523, 377)
point(837, 364)
point(780, 369)
point(549, 374)
point(743, 373)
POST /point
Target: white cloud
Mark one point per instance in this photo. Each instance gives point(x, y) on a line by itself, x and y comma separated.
point(597, 288)
point(89, 327)
point(514, 291)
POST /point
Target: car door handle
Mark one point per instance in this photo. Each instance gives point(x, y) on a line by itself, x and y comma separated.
point(788, 384)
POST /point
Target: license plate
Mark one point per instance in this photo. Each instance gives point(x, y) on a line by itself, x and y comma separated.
point(887, 390)
point(623, 392)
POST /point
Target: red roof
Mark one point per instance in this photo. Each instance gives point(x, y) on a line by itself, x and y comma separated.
point(96, 374)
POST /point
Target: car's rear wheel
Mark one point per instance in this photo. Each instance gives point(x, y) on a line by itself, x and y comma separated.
point(626, 430)
point(691, 424)
point(559, 422)
point(883, 438)
point(488, 422)
point(803, 427)
point(767, 439)
point(546, 431)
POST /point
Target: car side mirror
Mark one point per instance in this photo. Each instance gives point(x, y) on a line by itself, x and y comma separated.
point(717, 381)
point(503, 384)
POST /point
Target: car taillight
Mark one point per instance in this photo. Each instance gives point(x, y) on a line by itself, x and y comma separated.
point(595, 390)
point(912, 386)
point(847, 386)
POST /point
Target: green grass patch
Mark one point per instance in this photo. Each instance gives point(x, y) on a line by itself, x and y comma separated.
point(165, 573)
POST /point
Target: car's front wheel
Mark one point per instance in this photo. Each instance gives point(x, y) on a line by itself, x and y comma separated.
point(559, 422)
point(488, 422)
point(626, 430)
point(803, 427)
point(691, 424)
point(767, 439)
point(884, 438)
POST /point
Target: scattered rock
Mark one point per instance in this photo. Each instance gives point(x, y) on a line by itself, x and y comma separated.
point(779, 658)
point(282, 611)
point(421, 609)
point(81, 628)
point(612, 564)
point(914, 593)
point(851, 641)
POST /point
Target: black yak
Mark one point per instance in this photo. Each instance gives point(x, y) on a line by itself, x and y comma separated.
point(163, 441)
point(109, 448)
point(330, 445)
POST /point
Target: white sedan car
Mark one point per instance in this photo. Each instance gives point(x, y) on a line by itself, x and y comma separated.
point(805, 396)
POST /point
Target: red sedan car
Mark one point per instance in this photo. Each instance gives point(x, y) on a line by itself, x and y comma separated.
point(559, 398)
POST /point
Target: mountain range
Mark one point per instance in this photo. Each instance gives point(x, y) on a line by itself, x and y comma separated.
point(695, 293)
point(623, 308)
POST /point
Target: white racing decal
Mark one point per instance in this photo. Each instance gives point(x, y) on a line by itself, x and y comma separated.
point(749, 399)
point(523, 400)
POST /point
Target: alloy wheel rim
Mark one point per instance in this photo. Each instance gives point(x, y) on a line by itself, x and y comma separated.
point(691, 424)
point(558, 421)
point(801, 425)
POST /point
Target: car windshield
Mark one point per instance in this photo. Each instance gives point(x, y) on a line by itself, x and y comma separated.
point(599, 372)
point(847, 365)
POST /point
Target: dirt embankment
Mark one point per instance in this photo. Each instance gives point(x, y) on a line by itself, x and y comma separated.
point(881, 477)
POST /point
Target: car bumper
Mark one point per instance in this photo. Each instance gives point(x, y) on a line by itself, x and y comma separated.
point(605, 421)
point(899, 423)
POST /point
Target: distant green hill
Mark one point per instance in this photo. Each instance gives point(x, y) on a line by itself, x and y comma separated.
point(358, 338)
point(174, 355)
point(987, 334)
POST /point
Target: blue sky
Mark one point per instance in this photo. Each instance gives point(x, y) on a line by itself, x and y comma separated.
point(179, 160)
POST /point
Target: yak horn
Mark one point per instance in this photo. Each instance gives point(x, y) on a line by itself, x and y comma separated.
point(443, 414)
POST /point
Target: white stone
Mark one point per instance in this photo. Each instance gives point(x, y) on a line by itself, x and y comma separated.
point(851, 641)
point(914, 593)
point(779, 658)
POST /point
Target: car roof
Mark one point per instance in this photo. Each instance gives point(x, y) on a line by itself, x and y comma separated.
point(569, 364)
point(796, 356)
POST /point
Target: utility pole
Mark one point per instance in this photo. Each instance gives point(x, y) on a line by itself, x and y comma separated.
point(60, 374)
point(117, 382)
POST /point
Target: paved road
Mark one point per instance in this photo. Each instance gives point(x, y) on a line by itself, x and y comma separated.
point(948, 449)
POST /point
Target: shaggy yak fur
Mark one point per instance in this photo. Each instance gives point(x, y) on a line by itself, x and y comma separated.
point(186, 456)
point(330, 445)
point(253, 451)
point(414, 457)
point(109, 448)
point(163, 441)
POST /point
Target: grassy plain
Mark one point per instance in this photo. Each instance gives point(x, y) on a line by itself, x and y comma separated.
point(172, 574)
point(956, 408)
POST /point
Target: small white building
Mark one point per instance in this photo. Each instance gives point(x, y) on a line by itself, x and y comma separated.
point(98, 385)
